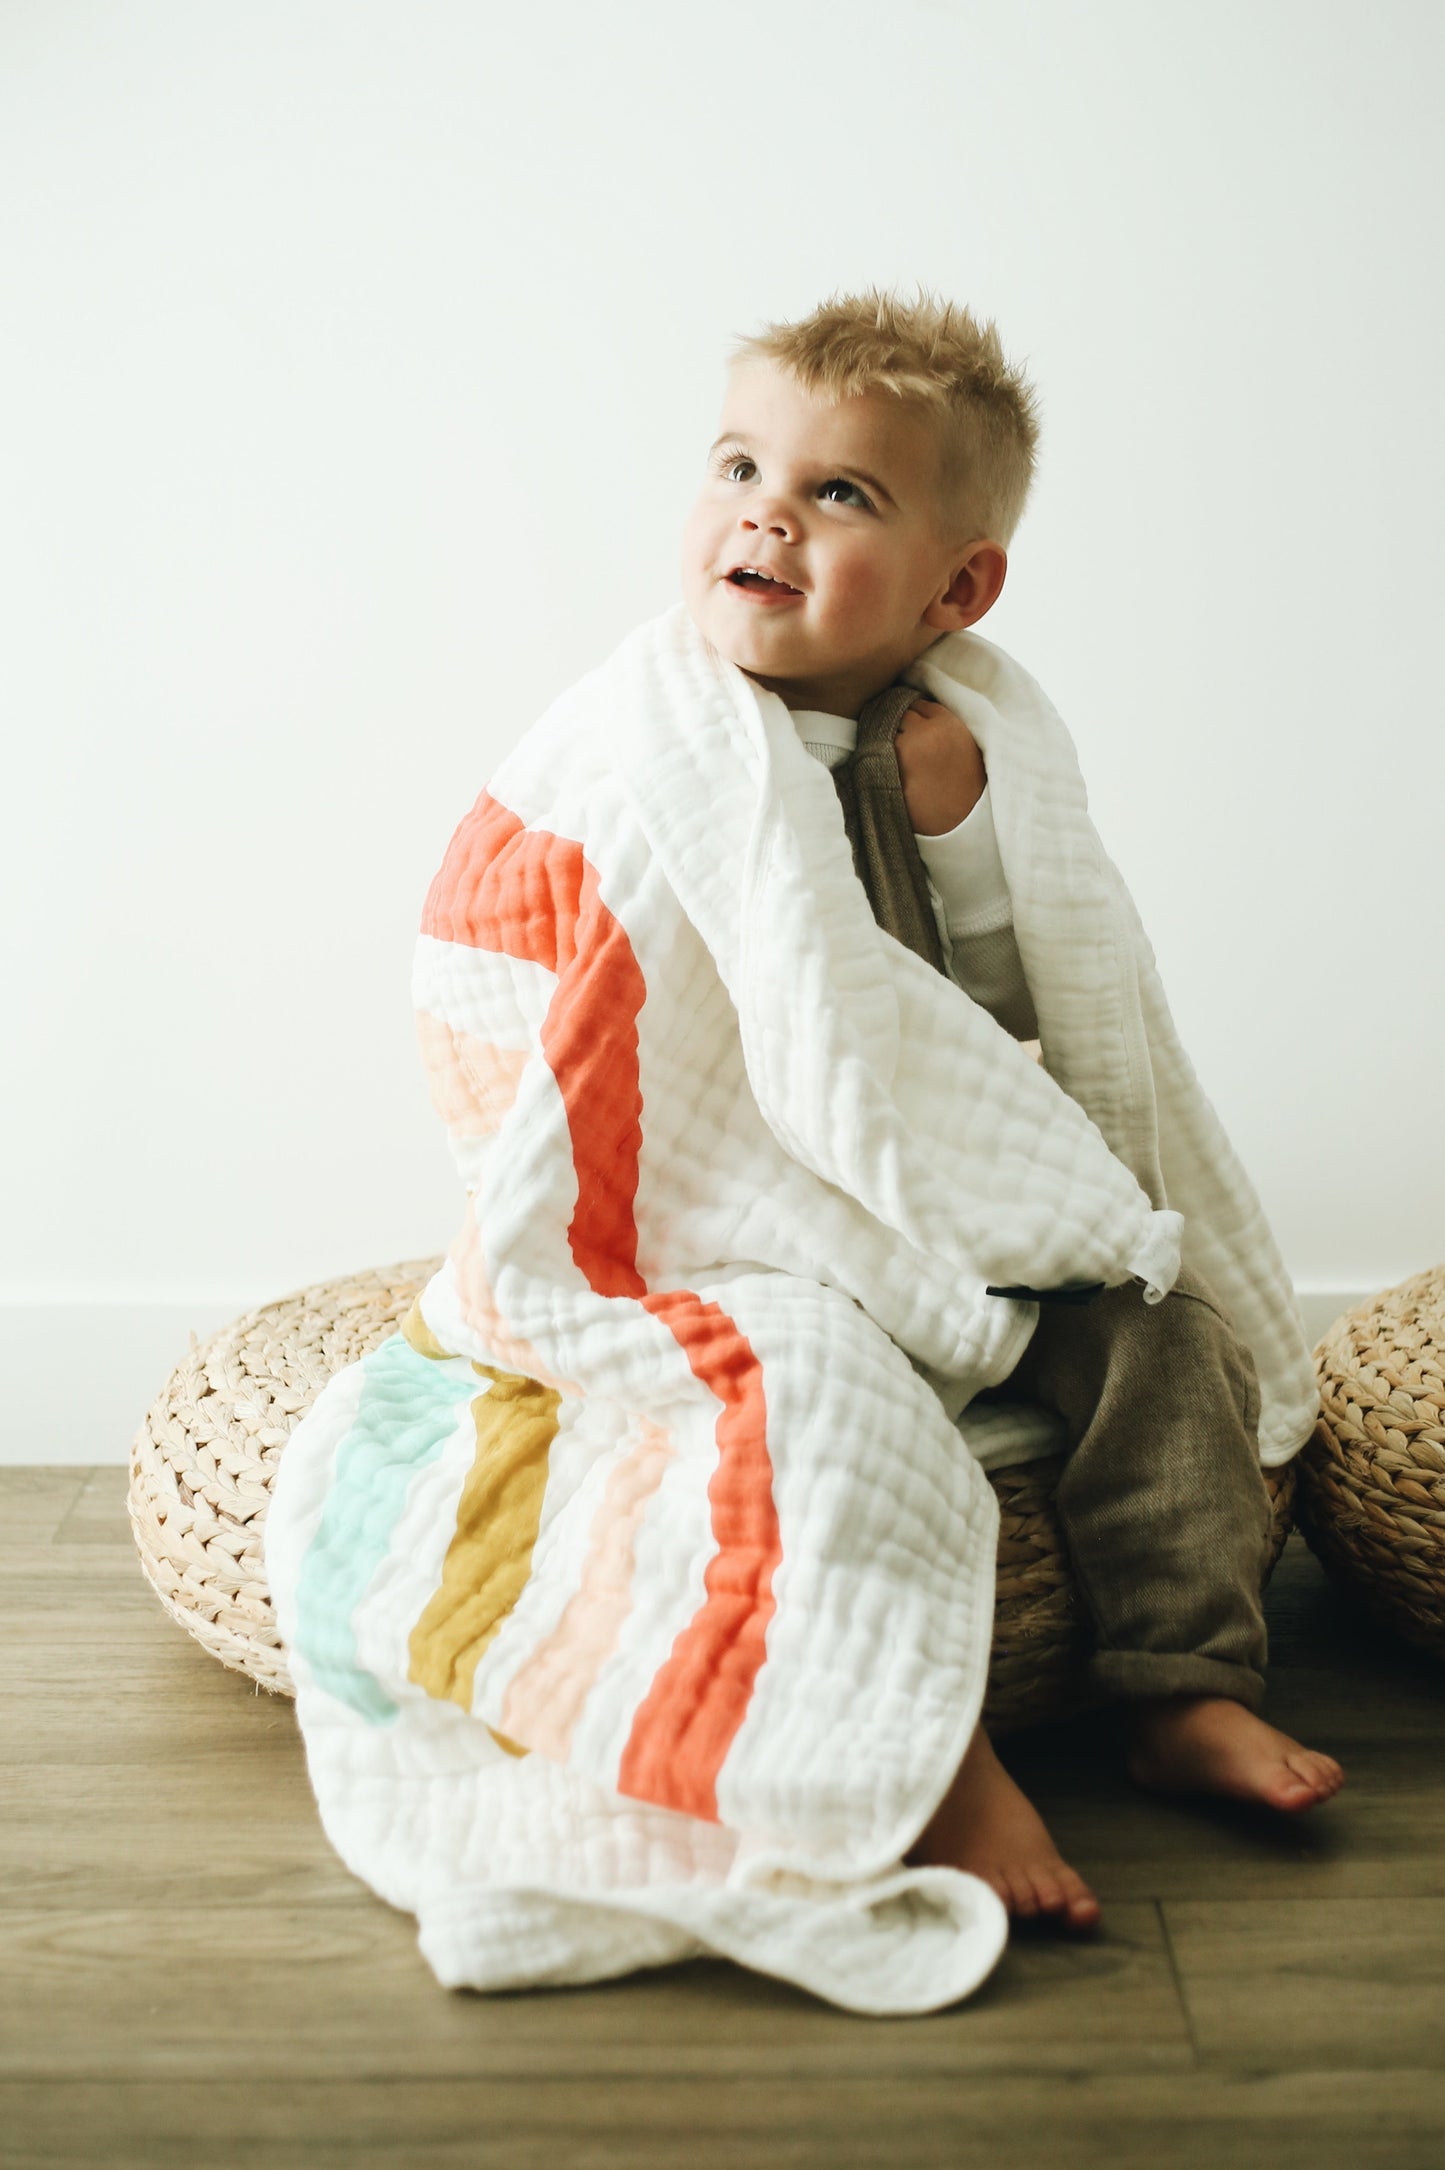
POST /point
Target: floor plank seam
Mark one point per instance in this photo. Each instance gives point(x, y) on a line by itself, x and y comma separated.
point(1179, 1990)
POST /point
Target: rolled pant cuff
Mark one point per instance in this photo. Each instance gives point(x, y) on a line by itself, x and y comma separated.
point(1132, 1674)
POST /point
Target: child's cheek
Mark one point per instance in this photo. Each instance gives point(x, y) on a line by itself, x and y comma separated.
point(694, 534)
point(697, 555)
point(857, 589)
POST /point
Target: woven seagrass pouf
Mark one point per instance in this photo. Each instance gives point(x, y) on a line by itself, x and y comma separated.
point(1372, 1479)
point(202, 1461)
point(204, 1456)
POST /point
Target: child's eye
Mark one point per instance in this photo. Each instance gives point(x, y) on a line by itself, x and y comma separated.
point(847, 486)
point(733, 460)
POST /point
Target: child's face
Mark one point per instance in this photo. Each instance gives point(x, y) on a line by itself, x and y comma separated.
point(841, 502)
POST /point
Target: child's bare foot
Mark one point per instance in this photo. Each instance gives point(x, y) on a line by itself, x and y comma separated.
point(1210, 1744)
point(986, 1825)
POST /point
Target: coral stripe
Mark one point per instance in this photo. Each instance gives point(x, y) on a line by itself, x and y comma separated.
point(530, 894)
point(687, 1721)
point(533, 895)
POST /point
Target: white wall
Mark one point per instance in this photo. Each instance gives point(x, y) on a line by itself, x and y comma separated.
point(360, 361)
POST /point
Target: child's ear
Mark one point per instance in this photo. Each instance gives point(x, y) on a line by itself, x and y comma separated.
point(974, 588)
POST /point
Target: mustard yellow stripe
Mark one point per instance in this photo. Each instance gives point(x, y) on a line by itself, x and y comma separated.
point(420, 1335)
point(490, 1554)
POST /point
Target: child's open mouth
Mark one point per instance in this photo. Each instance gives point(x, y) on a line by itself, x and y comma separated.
point(759, 588)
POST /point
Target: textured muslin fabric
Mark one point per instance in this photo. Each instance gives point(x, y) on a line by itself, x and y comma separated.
point(1162, 1505)
point(638, 1592)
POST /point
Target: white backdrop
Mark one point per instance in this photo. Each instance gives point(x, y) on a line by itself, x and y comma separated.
point(360, 360)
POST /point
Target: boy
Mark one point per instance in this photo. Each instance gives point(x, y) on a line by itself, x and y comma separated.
point(872, 466)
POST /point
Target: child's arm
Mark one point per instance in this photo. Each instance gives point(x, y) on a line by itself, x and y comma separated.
point(942, 768)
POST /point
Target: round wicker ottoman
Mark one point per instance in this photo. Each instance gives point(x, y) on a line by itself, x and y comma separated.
point(203, 1459)
point(1372, 1479)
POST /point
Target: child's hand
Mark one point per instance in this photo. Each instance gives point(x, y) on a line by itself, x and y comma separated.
point(941, 767)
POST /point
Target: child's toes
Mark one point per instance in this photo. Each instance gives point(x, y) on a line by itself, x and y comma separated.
point(1294, 1784)
point(1079, 1902)
point(1328, 1773)
point(1283, 1787)
point(1315, 1770)
point(1024, 1902)
point(1048, 1893)
point(1063, 1896)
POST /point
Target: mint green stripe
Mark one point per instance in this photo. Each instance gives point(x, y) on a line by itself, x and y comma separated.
point(408, 1410)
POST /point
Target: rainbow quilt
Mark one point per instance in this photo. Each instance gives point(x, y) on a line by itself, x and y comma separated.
point(637, 1592)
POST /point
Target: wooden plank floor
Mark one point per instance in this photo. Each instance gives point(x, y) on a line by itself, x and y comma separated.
point(188, 1976)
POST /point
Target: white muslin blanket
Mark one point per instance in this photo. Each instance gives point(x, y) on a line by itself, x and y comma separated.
point(638, 1591)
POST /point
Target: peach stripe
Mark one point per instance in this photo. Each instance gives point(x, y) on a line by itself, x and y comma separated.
point(473, 1081)
point(546, 1695)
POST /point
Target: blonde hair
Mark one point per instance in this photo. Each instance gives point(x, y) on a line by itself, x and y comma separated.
point(936, 356)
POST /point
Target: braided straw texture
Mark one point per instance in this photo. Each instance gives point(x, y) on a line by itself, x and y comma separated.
point(203, 1459)
point(1372, 1479)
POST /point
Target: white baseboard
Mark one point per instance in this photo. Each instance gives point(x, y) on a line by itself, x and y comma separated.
point(80, 1376)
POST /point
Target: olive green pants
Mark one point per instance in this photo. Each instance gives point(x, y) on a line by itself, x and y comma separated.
point(1161, 1501)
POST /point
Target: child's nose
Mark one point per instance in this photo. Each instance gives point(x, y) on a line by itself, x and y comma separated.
point(776, 519)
